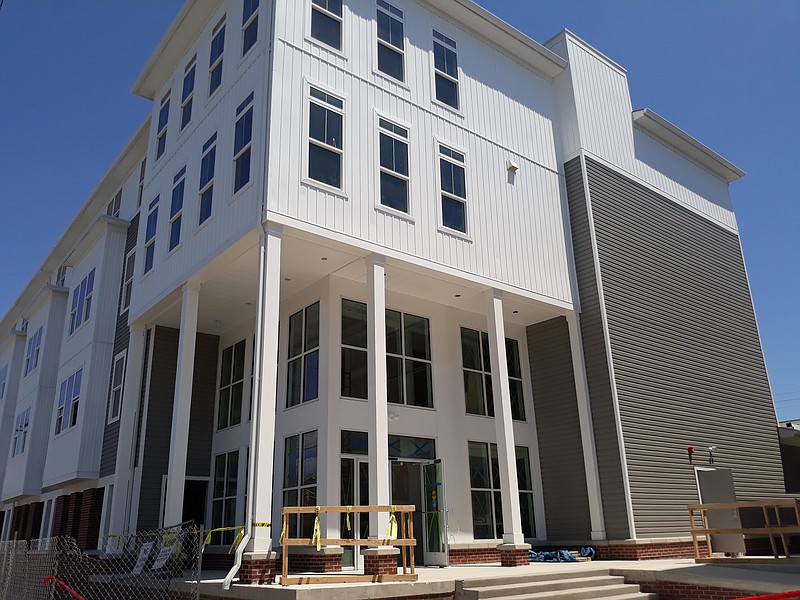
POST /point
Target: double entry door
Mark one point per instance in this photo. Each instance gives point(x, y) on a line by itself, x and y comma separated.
point(420, 483)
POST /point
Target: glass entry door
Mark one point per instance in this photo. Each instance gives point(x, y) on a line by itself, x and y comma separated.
point(434, 515)
point(354, 491)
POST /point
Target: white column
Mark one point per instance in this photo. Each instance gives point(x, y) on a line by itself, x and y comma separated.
point(587, 430)
point(503, 422)
point(120, 506)
point(379, 492)
point(182, 405)
point(262, 440)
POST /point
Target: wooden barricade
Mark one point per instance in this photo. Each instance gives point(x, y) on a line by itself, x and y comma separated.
point(405, 541)
point(772, 530)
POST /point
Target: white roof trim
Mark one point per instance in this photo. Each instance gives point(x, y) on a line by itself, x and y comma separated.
point(681, 141)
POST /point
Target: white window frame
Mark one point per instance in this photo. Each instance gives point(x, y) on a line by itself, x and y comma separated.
point(229, 385)
point(208, 147)
point(217, 62)
point(241, 112)
point(403, 357)
point(304, 353)
point(457, 80)
point(150, 243)
point(69, 399)
point(122, 358)
point(177, 215)
point(246, 23)
point(127, 281)
point(309, 15)
point(114, 206)
point(307, 140)
point(3, 381)
point(161, 130)
point(81, 309)
point(465, 235)
point(33, 351)
point(22, 424)
point(391, 10)
point(408, 216)
point(142, 170)
point(187, 98)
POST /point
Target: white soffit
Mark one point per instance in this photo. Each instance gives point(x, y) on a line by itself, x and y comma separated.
point(670, 134)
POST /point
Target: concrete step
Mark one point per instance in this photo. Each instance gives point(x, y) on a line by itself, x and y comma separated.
point(533, 576)
point(534, 585)
point(606, 592)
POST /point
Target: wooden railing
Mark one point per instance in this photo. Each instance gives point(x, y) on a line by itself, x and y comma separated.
point(772, 530)
point(404, 539)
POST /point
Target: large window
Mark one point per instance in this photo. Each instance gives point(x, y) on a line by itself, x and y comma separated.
point(207, 165)
point(454, 189)
point(445, 64)
point(117, 385)
point(3, 380)
point(33, 351)
point(325, 138)
point(354, 349)
point(300, 480)
point(478, 375)
point(215, 58)
point(82, 302)
point(391, 43)
point(302, 383)
point(484, 482)
point(176, 209)
point(394, 165)
point(114, 206)
point(68, 400)
point(163, 120)
point(187, 94)
point(408, 359)
point(326, 22)
point(21, 427)
point(150, 236)
point(223, 503)
point(127, 281)
point(231, 386)
point(249, 25)
point(243, 136)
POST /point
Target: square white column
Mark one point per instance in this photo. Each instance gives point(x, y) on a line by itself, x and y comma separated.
point(182, 405)
point(503, 421)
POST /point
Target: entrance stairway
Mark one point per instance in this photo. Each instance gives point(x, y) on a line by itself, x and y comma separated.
point(580, 585)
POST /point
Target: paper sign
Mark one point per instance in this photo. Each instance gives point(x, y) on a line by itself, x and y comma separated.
point(144, 553)
point(162, 557)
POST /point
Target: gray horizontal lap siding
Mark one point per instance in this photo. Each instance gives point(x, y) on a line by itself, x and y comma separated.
point(687, 358)
point(558, 431)
point(604, 420)
point(122, 336)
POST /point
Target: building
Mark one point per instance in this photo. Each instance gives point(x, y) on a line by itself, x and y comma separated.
point(407, 254)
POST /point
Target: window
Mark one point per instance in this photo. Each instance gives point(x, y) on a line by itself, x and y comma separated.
point(408, 359)
point(355, 442)
point(243, 136)
point(68, 399)
point(163, 120)
point(127, 281)
point(303, 371)
point(454, 189)
point(176, 209)
point(484, 482)
point(478, 375)
point(142, 169)
point(231, 386)
point(21, 427)
point(394, 165)
point(113, 208)
point(445, 64)
point(61, 276)
point(223, 503)
point(207, 164)
point(33, 350)
point(3, 380)
point(81, 302)
point(326, 22)
point(325, 138)
point(300, 480)
point(150, 236)
point(391, 44)
point(215, 59)
point(117, 385)
point(401, 446)
point(249, 25)
point(187, 95)
point(354, 349)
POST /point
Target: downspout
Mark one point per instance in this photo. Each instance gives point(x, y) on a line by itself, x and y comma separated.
point(255, 425)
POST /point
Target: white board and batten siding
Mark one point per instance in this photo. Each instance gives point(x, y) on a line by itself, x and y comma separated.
point(515, 229)
point(602, 125)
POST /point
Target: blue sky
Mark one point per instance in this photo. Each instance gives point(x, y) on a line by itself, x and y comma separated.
point(726, 71)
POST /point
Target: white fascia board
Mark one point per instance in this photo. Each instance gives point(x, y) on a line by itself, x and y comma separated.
point(675, 137)
point(81, 224)
point(503, 35)
point(182, 33)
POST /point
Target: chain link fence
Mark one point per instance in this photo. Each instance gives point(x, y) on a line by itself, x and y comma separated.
point(160, 565)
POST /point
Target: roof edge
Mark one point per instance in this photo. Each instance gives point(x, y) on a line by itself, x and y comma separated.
point(672, 135)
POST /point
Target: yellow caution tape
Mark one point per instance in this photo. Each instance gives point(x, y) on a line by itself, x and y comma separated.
point(283, 532)
point(391, 531)
point(239, 528)
point(237, 540)
point(262, 524)
point(316, 537)
point(349, 510)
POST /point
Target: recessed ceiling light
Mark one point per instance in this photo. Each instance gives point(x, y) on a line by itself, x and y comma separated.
point(287, 278)
point(458, 296)
point(516, 312)
point(217, 321)
point(248, 304)
point(324, 258)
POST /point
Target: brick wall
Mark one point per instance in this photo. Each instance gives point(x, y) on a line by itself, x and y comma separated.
point(648, 551)
point(668, 590)
point(471, 556)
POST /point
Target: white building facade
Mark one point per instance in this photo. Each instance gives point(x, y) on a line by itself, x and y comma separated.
point(371, 252)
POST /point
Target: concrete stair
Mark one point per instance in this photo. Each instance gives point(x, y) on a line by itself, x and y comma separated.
point(585, 585)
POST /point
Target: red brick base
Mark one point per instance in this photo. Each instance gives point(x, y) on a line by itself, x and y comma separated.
point(471, 556)
point(261, 571)
point(380, 565)
point(647, 551)
point(314, 563)
point(668, 590)
point(514, 558)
